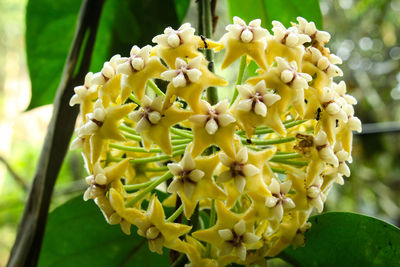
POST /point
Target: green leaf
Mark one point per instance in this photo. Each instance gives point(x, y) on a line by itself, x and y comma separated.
point(347, 239)
point(269, 10)
point(50, 26)
point(181, 7)
point(78, 235)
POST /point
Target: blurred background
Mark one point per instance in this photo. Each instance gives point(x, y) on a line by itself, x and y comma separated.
point(365, 34)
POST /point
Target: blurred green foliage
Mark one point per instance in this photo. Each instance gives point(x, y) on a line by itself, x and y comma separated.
point(365, 34)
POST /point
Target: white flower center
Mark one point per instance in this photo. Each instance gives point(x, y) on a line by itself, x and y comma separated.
point(174, 40)
point(246, 35)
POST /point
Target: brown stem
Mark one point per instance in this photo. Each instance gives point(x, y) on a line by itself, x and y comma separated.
point(26, 249)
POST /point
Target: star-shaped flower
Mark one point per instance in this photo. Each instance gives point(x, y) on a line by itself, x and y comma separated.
point(180, 43)
point(252, 106)
point(290, 227)
point(345, 130)
point(153, 122)
point(315, 195)
point(245, 170)
point(245, 40)
point(139, 68)
point(214, 125)
point(193, 180)
point(84, 96)
point(99, 182)
point(288, 82)
point(318, 150)
point(286, 43)
point(127, 215)
point(230, 233)
point(325, 150)
point(331, 112)
point(341, 90)
point(102, 125)
point(309, 28)
point(194, 251)
point(108, 81)
point(108, 71)
point(157, 231)
point(101, 178)
point(189, 80)
point(278, 201)
point(116, 204)
point(322, 66)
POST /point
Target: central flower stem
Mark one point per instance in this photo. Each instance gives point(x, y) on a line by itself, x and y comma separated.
point(239, 80)
point(206, 29)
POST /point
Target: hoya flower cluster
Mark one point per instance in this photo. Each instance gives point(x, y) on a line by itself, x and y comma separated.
point(249, 170)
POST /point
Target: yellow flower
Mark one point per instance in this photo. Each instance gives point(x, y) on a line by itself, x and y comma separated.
point(137, 70)
point(194, 251)
point(84, 143)
point(189, 80)
point(108, 81)
point(230, 233)
point(289, 228)
point(109, 92)
point(193, 181)
point(288, 82)
point(244, 174)
point(286, 43)
point(173, 44)
point(214, 125)
point(102, 125)
point(84, 96)
point(153, 122)
point(345, 129)
point(99, 182)
point(265, 188)
point(318, 38)
point(279, 201)
point(158, 232)
point(245, 40)
point(101, 178)
point(126, 216)
point(253, 108)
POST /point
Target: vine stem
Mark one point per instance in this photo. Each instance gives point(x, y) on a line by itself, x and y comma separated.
point(291, 162)
point(267, 130)
point(182, 133)
point(175, 215)
point(168, 175)
point(134, 99)
point(206, 29)
point(265, 142)
point(26, 249)
point(155, 88)
point(239, 80)
point(151, 159)
point(133, 187)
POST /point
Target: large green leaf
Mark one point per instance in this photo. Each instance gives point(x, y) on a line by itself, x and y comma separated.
point(77, 235)
point(50, 26)
point(347, 239)
point(269, 10)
